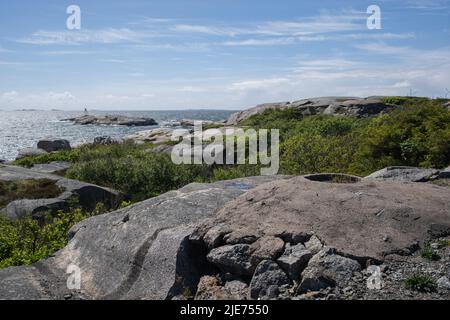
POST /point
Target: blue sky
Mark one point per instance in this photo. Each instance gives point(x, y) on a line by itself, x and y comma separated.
point(136, 54)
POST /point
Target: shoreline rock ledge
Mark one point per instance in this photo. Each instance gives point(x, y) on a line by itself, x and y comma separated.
point(112, 120)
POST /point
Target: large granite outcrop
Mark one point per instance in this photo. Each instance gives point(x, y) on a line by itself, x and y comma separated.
point(331, 230)
point(347, 106)
point(134, 253)
point(253, 238)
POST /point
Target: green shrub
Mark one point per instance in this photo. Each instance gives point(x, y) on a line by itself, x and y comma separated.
point(421, 283)
point(26, 241)
point(66, 155)
point(314, 153)
point(417, 135)
point(402, 101)
point(429, 254)
point(141, 176)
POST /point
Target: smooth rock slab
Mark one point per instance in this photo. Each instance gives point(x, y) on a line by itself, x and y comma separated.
point(365, 220)
point(406, 174)
point(52, 167)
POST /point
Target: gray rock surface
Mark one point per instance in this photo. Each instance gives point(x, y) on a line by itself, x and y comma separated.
point(294, 260)
point(443, 283)
point(348, 106)
point(112, 120)
point(395, 216)
point(267, 280)
point(107, 140)
point(326, 269)
point(136, 252)
point(54, 145)
point(30, 152)
point(445, 173)
point(406, 174)
point(233, 259)
point(52, 167)
point(209, 288)
point(314, 245)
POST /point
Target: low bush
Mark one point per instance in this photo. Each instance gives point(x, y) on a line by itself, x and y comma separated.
point(26, 241)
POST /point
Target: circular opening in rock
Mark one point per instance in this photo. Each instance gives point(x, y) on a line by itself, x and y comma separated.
point(333, 178)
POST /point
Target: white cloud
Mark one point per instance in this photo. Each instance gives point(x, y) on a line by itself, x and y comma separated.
point(113, 60)
point(258, 84)
point(105, 36)
point(136, 74)
point(64, 52)
point(60, 96)
point(9, 95)
point(8, 63)
point(382, 48)
point(191, 89)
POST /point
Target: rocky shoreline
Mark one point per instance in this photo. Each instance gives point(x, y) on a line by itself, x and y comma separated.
point(112, 120)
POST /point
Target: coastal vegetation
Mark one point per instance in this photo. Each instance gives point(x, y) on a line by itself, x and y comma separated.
point(30, 189)
point(26, 240)
point(417, 133)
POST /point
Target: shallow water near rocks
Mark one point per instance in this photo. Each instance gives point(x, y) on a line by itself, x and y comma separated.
point(23, 129)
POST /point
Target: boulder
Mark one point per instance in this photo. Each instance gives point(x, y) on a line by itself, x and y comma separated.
point(156, 136)
point(326, 269)
point(54, 145)
point(294, 260)
point(240, 236)
point(405, 174)
point(242, 259)
point(139, 252)
point(106, 140)
point(267, 280)
point(233, 259)
point(209, 288)
point(266, 248)
point(314, 245)
point(30, 152)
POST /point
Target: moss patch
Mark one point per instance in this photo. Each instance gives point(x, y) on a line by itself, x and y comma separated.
point(28, 189)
